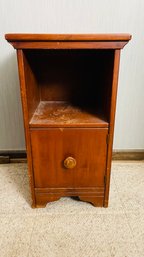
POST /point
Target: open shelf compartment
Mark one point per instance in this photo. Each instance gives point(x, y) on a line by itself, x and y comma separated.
point(68, 87)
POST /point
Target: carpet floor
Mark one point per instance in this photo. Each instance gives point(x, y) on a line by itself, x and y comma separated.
point(71, 228)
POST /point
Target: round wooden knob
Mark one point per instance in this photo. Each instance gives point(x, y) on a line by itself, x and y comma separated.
point(69, 163)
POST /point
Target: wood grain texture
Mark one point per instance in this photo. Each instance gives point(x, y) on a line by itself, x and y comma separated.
point(50, 147)
point(80, 41)
point(92, 191)
point(79, 129)
point(68, 45)
point(21, 69)
point(67, 37)
point(112, 120)
point(94, 195)
point(56, 114)
point(81, 77)
point(32, 89)
point(43, 199)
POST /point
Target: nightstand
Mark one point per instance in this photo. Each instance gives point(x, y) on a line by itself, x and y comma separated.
point(68, 90)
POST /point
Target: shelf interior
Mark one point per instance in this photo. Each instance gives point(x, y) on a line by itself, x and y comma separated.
point(68, 87)
point(55, 114)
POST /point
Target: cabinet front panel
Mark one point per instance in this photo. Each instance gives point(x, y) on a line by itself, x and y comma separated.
point(69, 157)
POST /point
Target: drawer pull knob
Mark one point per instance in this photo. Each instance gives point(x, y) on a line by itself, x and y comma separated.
point(69, 163)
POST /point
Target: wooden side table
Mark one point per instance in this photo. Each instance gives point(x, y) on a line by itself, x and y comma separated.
point(68, 90)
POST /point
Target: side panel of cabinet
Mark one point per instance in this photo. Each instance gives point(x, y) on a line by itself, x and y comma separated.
point(112, 121)
point(22, 78)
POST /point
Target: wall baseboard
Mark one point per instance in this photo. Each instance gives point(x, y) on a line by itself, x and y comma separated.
point(128, 155)
point(16, 156)
point(21, 156)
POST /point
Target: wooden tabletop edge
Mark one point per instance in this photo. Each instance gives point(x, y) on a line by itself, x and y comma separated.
point(67, 37)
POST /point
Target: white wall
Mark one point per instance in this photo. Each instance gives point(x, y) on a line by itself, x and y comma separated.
point(75, 16)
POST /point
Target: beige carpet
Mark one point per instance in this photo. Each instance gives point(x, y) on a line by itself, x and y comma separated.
point(70, 228)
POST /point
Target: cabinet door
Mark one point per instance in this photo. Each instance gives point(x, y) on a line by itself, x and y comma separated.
point(51, 147)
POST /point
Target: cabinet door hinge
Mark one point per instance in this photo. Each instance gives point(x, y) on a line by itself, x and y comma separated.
point(107, 139)
point(105, 180)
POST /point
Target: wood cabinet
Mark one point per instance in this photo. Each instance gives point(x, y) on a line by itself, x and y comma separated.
point(68, 90)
